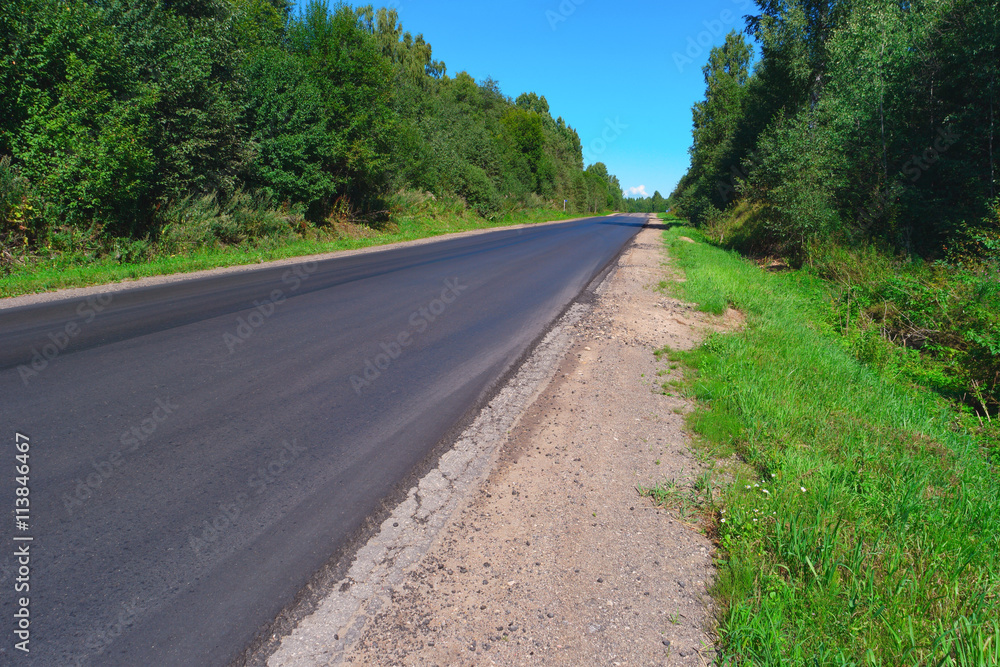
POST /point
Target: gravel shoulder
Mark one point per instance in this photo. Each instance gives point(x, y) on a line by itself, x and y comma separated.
point(547, 554)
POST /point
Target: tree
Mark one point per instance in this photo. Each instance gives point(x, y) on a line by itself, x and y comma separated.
point(354, 81)
point(129, 119)
point(798, 32)
point(869, 118)
point(716, 123)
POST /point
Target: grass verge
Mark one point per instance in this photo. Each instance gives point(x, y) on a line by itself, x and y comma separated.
point(415, 221)
point(863, 525)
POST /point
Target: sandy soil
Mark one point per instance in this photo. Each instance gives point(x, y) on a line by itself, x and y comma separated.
point(556, 559)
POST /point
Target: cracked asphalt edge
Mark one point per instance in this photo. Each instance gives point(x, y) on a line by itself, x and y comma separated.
point(323, 637)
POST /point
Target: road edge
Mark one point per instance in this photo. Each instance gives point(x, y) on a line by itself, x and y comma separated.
point(11, 302)
point(312, 631)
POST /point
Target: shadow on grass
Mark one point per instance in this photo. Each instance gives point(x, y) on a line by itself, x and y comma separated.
point(666, 224)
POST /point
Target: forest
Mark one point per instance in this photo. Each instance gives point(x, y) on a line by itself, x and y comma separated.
point(857, 140)
point(132, 129)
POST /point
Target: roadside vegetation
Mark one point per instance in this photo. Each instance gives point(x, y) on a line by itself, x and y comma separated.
point(844, 193)
point(161, 135)
point(855, 506)
point(414, 215)
point(859, 140)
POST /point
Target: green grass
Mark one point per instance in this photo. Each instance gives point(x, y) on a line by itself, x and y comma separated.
point(692, 503)
point(863, 525)
point(81, 269)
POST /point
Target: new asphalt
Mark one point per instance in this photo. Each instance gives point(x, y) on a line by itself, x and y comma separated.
point(198, 450)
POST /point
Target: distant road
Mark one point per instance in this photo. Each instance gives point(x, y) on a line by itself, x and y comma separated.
point(198, 450)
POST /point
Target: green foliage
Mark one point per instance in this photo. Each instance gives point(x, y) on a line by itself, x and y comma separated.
point(20, 221)
point(88, 154)
point(83, 127)
point(206, 221)
point(929, 323)
point(653, 204)
point(797, 177)
point(477, 188)
point(184, 52)
point(295, 153)
point(258, 24)
point(129, 121)
point(862, 120)
point(523, 133)
point(865, 530)
point(354, 81)
point(603, 189)
point(716, 122)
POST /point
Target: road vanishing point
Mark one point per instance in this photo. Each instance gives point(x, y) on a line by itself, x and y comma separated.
point(200, 449)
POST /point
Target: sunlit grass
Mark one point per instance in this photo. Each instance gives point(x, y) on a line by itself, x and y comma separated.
point(865, 527)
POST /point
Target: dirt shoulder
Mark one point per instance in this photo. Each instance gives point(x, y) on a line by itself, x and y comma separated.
point(556, 559)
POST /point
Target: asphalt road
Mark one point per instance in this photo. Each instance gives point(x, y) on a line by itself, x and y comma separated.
point(198, 450)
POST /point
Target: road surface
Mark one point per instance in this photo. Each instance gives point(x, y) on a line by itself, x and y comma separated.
point(200, 449)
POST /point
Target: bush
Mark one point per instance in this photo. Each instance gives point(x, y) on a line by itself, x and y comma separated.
point(934, 323)
point(20, 221)
point(795, 180)
point(479, 192)
point(241, 218)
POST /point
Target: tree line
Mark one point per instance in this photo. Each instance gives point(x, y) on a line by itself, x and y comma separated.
point(129, 119)
point(655, 203)
point(861, 144)
point(860, 121)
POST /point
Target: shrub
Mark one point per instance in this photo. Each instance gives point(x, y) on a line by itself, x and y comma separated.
point(205, 221)
point(20, 220)
point(479, 192)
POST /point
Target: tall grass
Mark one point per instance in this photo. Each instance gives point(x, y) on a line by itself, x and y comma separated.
point(864, 527)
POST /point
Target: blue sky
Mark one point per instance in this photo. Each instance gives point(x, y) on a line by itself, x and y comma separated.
point(623, 73)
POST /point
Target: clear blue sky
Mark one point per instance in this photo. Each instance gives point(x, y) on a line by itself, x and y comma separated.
point(628, 70)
